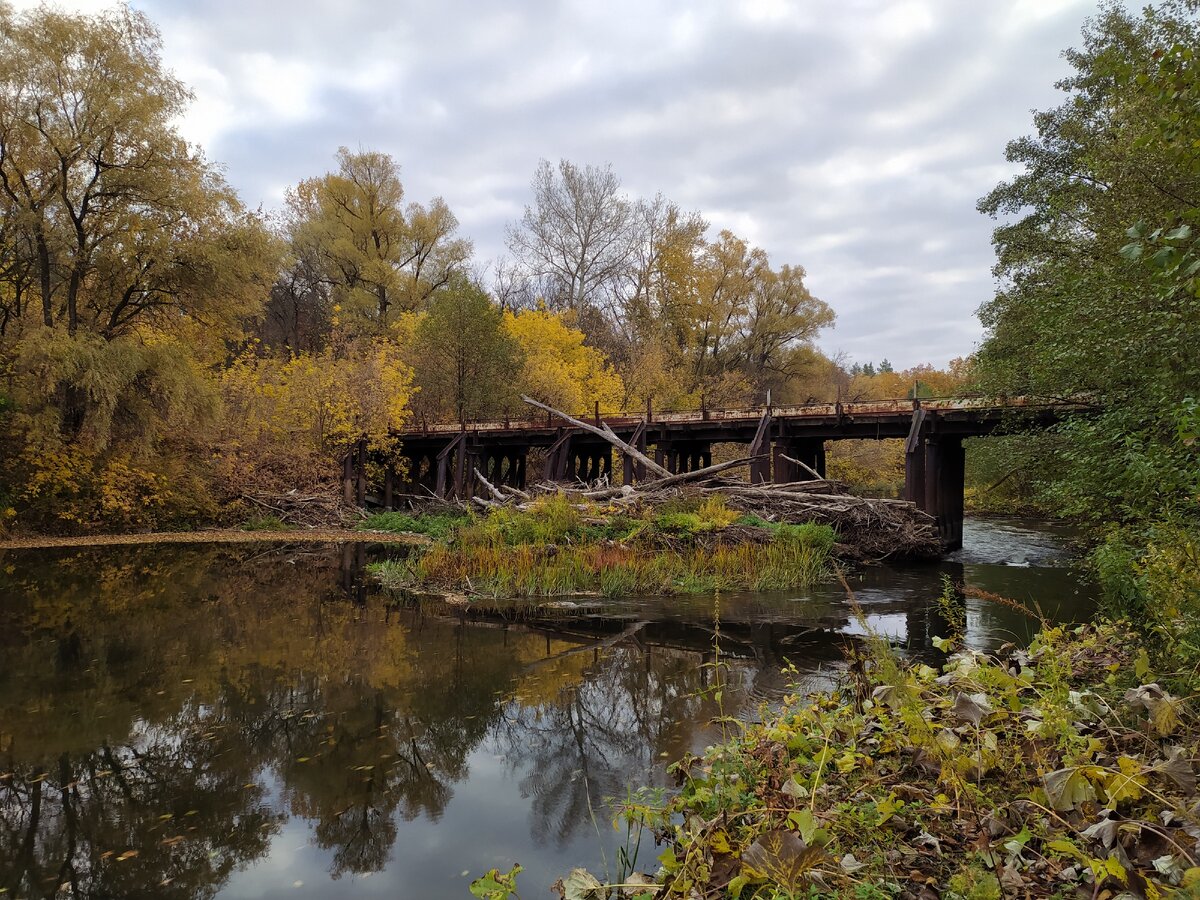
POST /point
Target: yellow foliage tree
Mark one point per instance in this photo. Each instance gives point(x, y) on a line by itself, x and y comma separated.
point(307, 409)
point(559, 369)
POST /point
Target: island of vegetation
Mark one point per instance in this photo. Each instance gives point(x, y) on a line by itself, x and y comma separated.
point(172, 360)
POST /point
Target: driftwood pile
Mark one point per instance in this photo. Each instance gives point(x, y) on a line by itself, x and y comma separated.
point(867, 527)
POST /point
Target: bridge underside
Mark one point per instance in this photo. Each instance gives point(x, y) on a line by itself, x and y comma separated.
point(790, 447)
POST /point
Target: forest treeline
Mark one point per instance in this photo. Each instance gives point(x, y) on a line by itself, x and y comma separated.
point(164, 348)
point(1098, 263)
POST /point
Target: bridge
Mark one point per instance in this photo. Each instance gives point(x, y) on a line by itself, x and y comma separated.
point(787, 441)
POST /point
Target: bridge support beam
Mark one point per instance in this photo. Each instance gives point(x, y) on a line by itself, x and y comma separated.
point(557, 457)
point(631, 469)
point(941, 481)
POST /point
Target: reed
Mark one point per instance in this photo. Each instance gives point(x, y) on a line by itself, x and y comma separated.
point(486, 565)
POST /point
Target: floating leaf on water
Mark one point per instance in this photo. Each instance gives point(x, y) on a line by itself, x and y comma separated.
point(495, 885)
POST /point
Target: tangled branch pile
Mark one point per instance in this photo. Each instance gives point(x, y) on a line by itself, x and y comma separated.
point(317, 509)
point(867, 528)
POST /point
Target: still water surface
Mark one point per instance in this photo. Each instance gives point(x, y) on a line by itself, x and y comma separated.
point(241, 722)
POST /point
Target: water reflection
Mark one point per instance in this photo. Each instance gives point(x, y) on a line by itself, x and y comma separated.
point(188, 722)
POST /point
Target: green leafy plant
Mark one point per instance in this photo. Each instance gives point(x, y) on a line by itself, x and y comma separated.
point(497, 885)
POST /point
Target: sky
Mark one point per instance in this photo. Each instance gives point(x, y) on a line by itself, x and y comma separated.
point(852, 138)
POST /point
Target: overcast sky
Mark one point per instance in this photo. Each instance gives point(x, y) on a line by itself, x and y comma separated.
point(851, 137)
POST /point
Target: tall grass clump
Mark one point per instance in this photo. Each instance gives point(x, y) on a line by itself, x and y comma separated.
point(486, 566)
point(435, 525)
point(551, 519)
point(690, 518)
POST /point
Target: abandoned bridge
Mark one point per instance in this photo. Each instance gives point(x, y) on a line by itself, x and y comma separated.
point(441, 460)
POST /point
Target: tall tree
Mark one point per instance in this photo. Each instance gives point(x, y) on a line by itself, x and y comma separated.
point(377, 256)
point(124, 258)
point(1075, 315)
point(119, 220)
point(576, 239)
point(466, 362)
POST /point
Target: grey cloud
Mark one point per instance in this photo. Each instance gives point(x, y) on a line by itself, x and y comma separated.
point(853, 138)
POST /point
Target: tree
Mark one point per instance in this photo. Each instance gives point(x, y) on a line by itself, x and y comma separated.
point(577, 238)
point(119, 221)
point(377, 257)
point(559, 369)
point(466, 362)
point(122, 250)
point(1077, 314)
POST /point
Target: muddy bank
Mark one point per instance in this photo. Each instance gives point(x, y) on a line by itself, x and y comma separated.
point(213, 535)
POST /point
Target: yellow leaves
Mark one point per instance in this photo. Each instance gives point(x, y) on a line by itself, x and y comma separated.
point(847, 762)
point(1125, 784)
point(559, 369)
point(327, 399)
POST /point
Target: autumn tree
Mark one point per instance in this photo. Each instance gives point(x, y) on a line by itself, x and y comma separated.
point(376, 256)
point(466, 362)
point(118, 238)
point(558, 368)
point(709, 322)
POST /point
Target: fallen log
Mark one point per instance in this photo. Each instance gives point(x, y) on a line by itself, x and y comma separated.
point(492, 489)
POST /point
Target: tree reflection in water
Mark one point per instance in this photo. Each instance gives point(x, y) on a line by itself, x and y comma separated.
point(164, 712)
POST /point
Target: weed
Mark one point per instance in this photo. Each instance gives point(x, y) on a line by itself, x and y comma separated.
point(944, 780)
point(435, 525)
point(266, 523)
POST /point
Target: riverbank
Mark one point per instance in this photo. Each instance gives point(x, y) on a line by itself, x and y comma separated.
point(214, 536)
point(1063, 769)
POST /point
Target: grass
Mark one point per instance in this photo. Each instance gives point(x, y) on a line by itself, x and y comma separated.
point(435, 525)
point(559, 548)
point(266, 523)
point(796, 558)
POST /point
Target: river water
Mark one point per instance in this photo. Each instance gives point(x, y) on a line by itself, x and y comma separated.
point(239, 721)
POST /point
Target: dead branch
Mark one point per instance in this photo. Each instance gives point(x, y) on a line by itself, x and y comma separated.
point(817, 476)
point(605, 433)
point(492, 489)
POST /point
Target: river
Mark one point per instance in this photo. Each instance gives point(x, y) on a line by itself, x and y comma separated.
point(244, 721)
